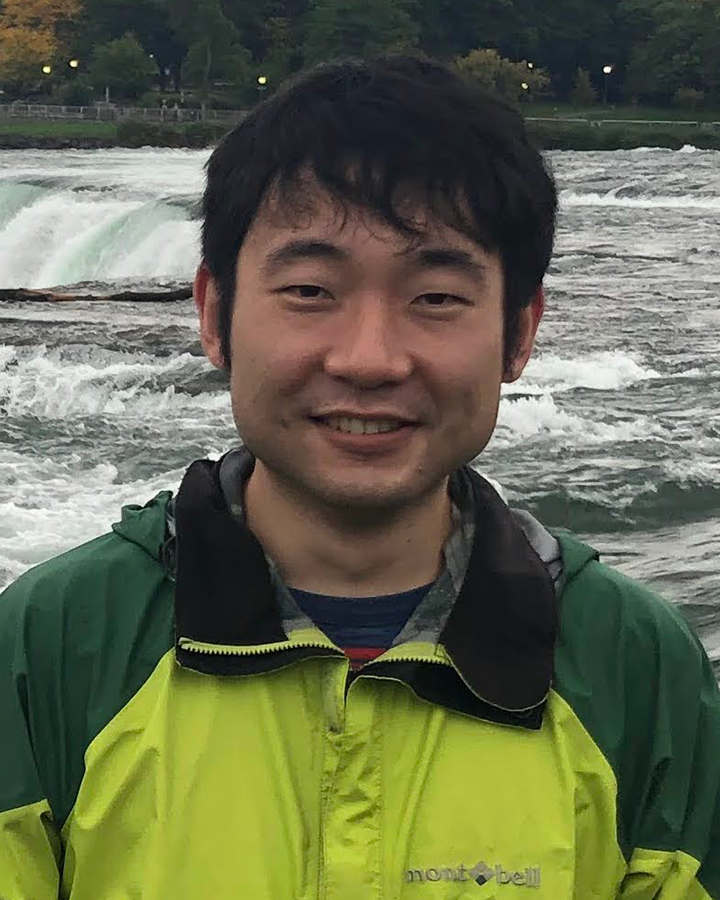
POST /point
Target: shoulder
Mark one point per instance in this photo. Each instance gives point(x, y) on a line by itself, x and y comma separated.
point(107, 576)
point(79, 635)
point(640, 683)
point(98, 604)
point(638, 679)
point(620, 619)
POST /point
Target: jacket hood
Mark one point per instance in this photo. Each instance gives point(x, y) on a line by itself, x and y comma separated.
point(146, 525)
point(576, 554)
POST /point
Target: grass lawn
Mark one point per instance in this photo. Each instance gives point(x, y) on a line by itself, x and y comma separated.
point(573, 135)
point(58, 129)
point(617, 111)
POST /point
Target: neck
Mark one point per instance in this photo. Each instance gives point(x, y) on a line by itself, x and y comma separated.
point(340, 556)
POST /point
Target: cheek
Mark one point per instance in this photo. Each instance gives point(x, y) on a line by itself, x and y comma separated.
point(477, 374)
point(471, 396)
point(266, 368)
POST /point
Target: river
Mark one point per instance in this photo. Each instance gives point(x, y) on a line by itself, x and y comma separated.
point(613, 431)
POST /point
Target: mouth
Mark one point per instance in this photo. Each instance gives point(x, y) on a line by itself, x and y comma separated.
point(358, 427)
point(365, 439)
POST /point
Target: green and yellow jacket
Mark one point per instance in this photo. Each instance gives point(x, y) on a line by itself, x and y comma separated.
point(169, 732)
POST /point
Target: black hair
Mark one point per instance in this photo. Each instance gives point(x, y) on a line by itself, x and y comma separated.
point(368, 130)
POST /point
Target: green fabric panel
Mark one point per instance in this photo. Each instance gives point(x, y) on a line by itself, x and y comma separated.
point(19, 780)
point(83, 632)
point(641, 683)
point(29, 854)
point(145, 525)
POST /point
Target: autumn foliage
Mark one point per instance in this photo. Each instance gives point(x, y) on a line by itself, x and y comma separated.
point(30, 37)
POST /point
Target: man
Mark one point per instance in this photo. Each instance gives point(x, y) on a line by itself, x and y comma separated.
point(336, 665)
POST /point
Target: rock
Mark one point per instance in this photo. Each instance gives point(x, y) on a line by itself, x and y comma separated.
point(27, 295)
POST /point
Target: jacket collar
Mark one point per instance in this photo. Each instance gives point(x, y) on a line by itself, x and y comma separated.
point(501, 631)
point(500, 634)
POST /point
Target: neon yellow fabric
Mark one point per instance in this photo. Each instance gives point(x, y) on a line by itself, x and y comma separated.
point(184, 798)
point(181, 798)
point(658, 875)
point(29, 854)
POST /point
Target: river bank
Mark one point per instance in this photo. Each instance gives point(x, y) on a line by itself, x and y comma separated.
point(561, 134)
point(24, 134)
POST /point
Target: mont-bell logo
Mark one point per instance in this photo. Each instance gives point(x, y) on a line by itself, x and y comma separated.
point(480, 873)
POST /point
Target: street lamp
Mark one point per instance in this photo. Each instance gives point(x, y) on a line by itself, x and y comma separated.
point(47, 70)
point(74, 63)
point(607, 71)
point(262, 82)
point(531, 65)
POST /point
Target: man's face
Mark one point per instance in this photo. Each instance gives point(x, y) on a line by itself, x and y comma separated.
point(338, 320)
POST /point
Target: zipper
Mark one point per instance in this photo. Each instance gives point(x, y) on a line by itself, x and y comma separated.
point(231, 650)
point(443, 662)
point(402, 659)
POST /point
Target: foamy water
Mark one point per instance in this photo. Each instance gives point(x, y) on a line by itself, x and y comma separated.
point(64, 218)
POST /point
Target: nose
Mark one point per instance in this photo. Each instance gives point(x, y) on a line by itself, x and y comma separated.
point(367, 348)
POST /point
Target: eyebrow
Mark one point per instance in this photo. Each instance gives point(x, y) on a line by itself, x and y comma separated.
point(449, 258)
point(297, 251)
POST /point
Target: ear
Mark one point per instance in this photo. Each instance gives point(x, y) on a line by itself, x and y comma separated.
point(528, 322)
point(207, 302)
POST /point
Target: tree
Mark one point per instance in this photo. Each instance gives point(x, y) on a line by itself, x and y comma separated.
point(583, 93)
point(674, 46)
point(279, 59)
point(502, 76)
point(214, 48)
point(563, 34)
point(108, 19)
point(358, 28)
point(39, 13)
point(123, 66)
point(29, 38)
point(257, 22)
point(449, 28)
point(23, 53)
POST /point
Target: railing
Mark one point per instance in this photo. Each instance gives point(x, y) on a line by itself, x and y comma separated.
point(110, 113)
point(600, 122)
point(102, 113)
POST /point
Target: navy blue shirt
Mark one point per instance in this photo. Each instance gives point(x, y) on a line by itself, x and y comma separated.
point(363, 627)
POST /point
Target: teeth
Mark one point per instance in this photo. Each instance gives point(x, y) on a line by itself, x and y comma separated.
point(361, 426)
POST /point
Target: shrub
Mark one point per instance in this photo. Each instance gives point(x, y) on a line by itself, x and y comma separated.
point(583, 136)
point(148, 134)
point(514, 81)
point(203, 134)
point(123, 66)
point(564, 135)
point(150, 100)
point(583, 93)
point(78, 92)
point(688, 98)
point(160, 134)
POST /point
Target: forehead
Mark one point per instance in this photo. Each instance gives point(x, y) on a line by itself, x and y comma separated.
point(308, 209)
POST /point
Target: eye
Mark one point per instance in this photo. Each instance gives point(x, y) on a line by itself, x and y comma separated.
point(435, 301)
point(304, 291)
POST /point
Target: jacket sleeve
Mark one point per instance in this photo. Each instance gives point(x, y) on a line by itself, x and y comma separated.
point(676, 846)
point(29, 840)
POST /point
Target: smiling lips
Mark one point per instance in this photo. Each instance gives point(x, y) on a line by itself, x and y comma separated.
point(361, 426)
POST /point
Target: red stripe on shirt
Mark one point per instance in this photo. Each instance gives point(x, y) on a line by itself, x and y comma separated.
point(360, 655)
